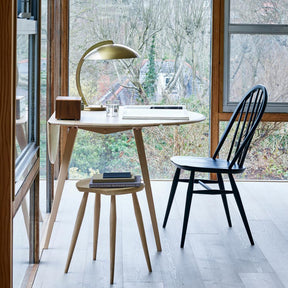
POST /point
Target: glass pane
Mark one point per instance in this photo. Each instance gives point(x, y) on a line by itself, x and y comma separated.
point(268, 157)
point(22, 93)
point(258, 59)
point(101, 153)
point(258, 12)
point(173, 40)
point(43, 98)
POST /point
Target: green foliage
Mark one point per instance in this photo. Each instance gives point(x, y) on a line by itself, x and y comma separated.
point(117, 152)
point(267, 158)
point(151, 75)
point(102, 153)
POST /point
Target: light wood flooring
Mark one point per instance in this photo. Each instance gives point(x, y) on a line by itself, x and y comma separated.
point(214, 254)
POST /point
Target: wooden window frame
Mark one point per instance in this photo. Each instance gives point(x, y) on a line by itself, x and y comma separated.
point(217, 114)
point(7, 163)
point(9, 202)
point(57, 77)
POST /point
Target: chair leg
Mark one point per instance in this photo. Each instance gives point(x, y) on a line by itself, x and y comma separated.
point(97, 208)
point(112, 237)
point(224, 199)
point(241, 208)
point(171, 196)
point(187, 207)
point(141, 229)
point(76, 230)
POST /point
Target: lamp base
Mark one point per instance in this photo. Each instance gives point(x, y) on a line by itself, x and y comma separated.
point(94, 108)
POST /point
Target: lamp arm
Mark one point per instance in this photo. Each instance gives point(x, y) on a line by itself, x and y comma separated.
point(79, 66)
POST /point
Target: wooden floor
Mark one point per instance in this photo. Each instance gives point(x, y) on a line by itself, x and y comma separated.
point(214, 255)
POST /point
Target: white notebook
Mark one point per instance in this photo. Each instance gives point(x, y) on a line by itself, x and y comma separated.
point(155, 112)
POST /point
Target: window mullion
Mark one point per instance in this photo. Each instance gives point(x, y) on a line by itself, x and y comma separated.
point(257, 29)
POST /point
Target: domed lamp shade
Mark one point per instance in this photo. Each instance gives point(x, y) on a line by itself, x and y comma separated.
point(105, 50)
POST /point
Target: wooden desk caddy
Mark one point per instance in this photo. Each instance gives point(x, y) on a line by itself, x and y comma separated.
point(68, 108)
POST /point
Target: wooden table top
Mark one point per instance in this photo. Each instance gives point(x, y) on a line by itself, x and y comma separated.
point(98, 122)
point(98, 119)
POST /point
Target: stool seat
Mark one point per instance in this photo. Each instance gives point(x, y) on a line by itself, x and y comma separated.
point(83, 186)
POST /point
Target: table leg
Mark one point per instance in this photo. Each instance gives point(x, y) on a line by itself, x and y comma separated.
point(112, 237)
point(146, 178)
point(25, 215)
point(76, 230)
point(60, 183)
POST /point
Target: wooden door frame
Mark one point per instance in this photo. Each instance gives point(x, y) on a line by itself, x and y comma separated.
point(7, 100)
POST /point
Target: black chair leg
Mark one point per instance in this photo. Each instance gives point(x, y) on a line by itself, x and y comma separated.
point(225, 203)
point(171, 196)
point(224, 199)
point(241, 208)
point(187, 207)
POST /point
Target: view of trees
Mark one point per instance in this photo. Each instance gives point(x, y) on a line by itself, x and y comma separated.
point(258, 12)
point(260, 57)
point(173, 39)
point(178, 31)
point(253, 53)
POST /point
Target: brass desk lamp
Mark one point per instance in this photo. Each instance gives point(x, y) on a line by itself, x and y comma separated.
point(105, 50)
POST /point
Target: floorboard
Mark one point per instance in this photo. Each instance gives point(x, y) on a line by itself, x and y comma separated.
point(214, 255)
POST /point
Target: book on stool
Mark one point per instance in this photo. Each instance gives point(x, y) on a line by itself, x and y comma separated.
point(115, 180)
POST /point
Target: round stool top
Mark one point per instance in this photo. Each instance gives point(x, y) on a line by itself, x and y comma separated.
point(83, 186)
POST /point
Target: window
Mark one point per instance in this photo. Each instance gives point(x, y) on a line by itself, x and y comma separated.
point(173, 38)
point(25, 206)
point(255, 51)
point(256, 42)
point(26, 90)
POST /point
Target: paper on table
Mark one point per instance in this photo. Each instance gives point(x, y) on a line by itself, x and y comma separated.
point(155, 113)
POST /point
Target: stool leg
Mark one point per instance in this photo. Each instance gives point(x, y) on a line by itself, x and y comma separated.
point(76, 230)
point(112, 236)
point(141, 229)
point(97, 208)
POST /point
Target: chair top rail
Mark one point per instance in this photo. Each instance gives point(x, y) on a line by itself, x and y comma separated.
point(245, 119)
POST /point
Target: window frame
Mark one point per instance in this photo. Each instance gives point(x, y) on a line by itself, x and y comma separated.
point(251, 29)
point(26, 159)
point(26, 174)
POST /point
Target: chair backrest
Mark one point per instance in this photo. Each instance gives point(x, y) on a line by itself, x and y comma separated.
point(244, 120)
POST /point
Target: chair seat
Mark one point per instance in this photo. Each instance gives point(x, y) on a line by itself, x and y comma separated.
point(203, 164)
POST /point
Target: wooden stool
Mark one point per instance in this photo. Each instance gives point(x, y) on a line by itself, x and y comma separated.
point(83, 186)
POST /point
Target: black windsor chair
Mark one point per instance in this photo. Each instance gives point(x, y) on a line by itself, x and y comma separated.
point(244, 122)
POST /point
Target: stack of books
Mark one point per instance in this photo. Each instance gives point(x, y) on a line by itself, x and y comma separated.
point(115, 180)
